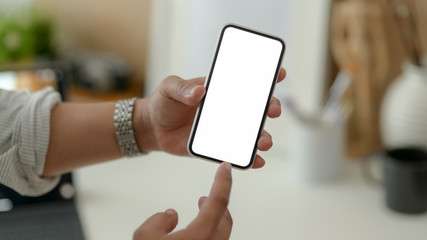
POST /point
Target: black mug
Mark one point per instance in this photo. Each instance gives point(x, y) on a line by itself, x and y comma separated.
point(405, 179)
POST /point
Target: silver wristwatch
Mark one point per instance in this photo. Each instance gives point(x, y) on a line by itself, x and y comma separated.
point(123, 126)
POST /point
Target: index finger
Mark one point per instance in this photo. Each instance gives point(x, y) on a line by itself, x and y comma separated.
point(216, 204)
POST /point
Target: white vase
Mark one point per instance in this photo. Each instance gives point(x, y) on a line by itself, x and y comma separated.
point(403, 117)
point(317, 150)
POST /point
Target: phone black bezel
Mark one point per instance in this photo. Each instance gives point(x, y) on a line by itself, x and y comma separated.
point(208, 80)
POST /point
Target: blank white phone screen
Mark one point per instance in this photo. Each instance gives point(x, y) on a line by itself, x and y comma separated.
point(238, 93)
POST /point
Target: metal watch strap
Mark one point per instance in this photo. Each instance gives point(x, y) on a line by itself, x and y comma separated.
point(123, 126)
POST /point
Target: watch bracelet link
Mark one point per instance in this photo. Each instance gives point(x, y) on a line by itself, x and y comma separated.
point(123, 126)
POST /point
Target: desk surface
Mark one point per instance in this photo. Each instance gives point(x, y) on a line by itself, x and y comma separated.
point(115, 198)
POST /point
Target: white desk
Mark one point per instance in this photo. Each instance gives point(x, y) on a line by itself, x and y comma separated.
point(115, 198)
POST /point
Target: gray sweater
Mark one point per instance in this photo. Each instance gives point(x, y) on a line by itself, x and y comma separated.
point(24, 139)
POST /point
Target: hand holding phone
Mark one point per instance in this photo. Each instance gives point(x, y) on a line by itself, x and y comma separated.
point(239, 87)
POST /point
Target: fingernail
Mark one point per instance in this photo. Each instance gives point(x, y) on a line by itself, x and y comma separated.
point(227, 167)
point(190, 92)
point(170, 211)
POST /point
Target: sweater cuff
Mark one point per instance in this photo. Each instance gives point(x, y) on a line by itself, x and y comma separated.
point(35, 134)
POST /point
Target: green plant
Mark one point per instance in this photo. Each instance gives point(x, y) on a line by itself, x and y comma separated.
point(25, 35)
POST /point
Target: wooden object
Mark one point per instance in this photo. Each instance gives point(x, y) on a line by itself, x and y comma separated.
point(421, 17)
point(362, 38)
point(78, 94)
point(109, 26)
point(405, 17)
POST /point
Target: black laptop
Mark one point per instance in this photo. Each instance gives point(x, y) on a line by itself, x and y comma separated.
point(53, 215)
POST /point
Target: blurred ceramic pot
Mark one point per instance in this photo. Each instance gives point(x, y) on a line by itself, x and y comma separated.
point(404, 109)
point(317, 150)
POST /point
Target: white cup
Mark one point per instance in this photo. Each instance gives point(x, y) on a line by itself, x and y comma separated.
point(317, 150)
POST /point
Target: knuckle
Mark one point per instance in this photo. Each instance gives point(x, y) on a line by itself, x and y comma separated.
point(167, 80)
point(182, 87)
point(204, 235)
point(167, 86)
point(197, 234)
point(221, 200)
point(174, 86)
point(139, 234)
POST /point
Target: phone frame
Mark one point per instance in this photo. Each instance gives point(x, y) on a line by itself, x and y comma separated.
point(207, 83)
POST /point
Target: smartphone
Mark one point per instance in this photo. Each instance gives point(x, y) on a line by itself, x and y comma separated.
point(239, 87)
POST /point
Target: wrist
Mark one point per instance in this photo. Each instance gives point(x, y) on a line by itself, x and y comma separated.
point(142, 125)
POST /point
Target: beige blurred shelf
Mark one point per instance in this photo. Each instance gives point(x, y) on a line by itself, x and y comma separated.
point(78, 94)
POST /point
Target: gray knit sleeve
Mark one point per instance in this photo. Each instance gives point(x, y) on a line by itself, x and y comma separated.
point(24, 139)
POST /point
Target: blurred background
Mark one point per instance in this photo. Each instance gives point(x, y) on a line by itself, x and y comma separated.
point(117, 49)
point(356, 84)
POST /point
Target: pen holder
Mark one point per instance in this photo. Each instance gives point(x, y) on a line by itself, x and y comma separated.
point(317, 150)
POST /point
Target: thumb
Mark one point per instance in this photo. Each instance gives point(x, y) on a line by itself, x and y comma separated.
point(157, 225)
point(185, 91)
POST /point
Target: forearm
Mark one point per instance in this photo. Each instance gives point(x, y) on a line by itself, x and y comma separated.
point(80, 135)
point(83, 134)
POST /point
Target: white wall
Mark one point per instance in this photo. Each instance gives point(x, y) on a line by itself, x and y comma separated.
point(184, 35)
